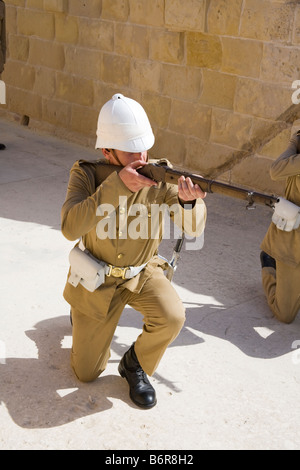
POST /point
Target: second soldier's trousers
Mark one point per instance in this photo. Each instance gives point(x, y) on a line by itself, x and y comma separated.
point(282, 289)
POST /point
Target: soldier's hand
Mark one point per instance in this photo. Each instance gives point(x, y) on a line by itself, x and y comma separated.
point(188, 191)
point(132, 179)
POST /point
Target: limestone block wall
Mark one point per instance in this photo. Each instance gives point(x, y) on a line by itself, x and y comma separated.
point(213, 75)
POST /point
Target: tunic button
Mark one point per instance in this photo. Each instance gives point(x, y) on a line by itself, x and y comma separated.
point(120, 255)
point(122, 210)
point(120, 234)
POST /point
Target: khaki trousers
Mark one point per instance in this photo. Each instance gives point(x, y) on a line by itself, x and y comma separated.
point(282, 289)
point(164, 316)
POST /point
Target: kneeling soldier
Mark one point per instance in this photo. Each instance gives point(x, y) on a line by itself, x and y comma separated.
point(130, 270)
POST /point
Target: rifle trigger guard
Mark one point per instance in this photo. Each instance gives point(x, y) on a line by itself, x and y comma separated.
point(250, 200)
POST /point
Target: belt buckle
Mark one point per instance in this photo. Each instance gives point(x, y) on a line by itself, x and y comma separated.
point(115, 271)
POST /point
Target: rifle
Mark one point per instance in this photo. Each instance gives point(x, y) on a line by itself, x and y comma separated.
point(165, 174)
point(161, 173)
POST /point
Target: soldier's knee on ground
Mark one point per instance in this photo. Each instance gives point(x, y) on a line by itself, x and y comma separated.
point(285, 317)
point(84, 372)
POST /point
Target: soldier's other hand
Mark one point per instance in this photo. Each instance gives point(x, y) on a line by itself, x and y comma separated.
point(188, 191)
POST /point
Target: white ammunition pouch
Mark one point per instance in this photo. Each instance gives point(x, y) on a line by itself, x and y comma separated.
point(286, 215)
point(90, 272)
point(86, 270)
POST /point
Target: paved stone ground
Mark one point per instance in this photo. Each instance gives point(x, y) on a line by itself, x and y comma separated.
point(229, 381)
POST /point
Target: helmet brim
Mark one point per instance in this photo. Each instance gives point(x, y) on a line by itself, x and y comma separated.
point(136, 145)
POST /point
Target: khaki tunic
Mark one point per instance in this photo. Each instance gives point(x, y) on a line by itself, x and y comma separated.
point(88, 192)
point(282, 287)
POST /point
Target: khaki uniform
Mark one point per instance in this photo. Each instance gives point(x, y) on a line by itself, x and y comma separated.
point(95, 315)
point(282, 286)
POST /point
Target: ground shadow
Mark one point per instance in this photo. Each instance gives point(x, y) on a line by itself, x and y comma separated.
point(43, 392)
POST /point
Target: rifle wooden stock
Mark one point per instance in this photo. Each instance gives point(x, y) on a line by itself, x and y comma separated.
point(165, 174)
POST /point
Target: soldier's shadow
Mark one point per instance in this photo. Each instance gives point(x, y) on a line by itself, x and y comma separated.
point(43, 392)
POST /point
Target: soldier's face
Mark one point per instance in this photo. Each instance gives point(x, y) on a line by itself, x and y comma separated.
point(118, 157)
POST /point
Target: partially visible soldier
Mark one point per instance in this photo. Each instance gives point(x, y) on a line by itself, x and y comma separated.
point(2, 44)
point(280, 258)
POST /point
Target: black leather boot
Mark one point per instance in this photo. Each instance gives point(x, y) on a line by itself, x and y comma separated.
point(141, 391)
point(267, 261)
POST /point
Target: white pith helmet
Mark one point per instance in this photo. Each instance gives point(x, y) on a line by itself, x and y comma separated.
point(124, 125)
